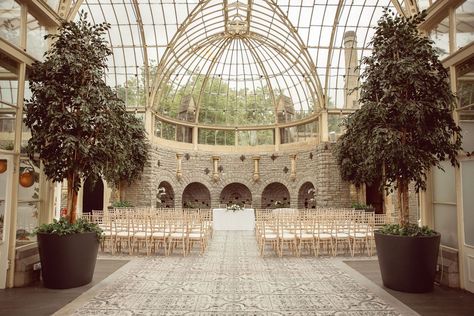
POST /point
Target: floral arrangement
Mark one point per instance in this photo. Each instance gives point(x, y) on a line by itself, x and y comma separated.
point(234, 207)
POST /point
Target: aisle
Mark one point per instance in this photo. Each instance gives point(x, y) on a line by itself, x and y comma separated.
point(231, 279)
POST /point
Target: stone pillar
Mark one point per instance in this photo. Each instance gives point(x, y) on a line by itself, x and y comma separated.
point(195, 137)
point(277, 139)
point(323, 126)
point(236, 137)
point(352, 72)
point(293, 167)
point(215, 171)
point(179, 173)
point(256, 168)
point(257, 201)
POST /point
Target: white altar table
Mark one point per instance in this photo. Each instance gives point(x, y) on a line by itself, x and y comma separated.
point(224, 219)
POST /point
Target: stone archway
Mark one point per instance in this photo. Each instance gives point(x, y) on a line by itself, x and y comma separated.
point(236, 193)
point(275, 195)
point(196, 195)
point(93, 195)
point(167, 200)
point(304, 196)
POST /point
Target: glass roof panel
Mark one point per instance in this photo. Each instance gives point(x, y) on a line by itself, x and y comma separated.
point(289, 55)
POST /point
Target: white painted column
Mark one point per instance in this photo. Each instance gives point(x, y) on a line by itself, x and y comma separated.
point(323, 126)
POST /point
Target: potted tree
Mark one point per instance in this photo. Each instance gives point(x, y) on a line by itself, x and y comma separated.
point(403, 128)
point(79, 129)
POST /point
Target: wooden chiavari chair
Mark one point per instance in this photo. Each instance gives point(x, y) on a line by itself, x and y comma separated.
point(178, 231)
point(305, 232)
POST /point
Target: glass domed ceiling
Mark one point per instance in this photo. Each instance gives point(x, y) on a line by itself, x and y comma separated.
point(233, 63)
point(237, 63)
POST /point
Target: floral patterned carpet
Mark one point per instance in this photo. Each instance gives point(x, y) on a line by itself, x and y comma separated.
point(231, 279)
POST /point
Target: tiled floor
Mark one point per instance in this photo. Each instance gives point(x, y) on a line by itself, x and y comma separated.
point(232, 279)
point(441, 302)
point(35, 300)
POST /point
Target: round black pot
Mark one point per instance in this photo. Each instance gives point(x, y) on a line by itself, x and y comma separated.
point(407, 264)
point(67, 261)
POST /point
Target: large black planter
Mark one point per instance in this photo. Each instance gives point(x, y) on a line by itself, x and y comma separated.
point(67, 261)
point(407, 264)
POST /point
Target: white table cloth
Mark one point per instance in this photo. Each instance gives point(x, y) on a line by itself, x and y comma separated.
point(224, 219)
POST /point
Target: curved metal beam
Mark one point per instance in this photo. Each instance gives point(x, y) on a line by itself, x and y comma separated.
point(181, 29)
point(303, 49)
point(145, 54)
point(219, 53)
point(331, 49)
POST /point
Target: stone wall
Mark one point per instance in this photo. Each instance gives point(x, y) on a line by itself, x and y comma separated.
point(315, 165)
point(413, 204)
point(447, 272)
point(26, 256)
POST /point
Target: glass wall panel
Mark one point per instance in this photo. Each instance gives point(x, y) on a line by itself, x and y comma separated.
point(265, 137)
point(440, 36)
point(299, 133)
point(3, 191)
point(464, 15)
point(54, 4)
point(165, 130)
point(8, 97)
point(444, 204)
point(248, 138)
point(288, 135)
point(28, 200)
point(467, 175)
point(36, 45)
point(10, 21)
point(466, 90)
point(216, 137)
point(8, 93)
point(467, 135)
point(444, 189)
point(335, 127)
point(7, 130)
point(465, 93)
point(446, 224)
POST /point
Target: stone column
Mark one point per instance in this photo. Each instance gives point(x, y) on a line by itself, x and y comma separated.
point(323, 126)
point(215, 171)
point(195, 137)
point(179, 173)
point(256, 168)
point(277, 138)
point(293, 167)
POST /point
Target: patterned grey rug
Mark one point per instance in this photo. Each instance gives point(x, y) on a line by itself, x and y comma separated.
point(231, 279)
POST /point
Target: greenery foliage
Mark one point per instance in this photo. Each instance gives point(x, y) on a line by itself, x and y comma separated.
point(122, 204)
point(64, 227)
point(409, 230)
point(405, 124)
point(362, 206)
point(80, 128)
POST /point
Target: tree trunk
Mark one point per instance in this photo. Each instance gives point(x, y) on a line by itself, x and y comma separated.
point(402, 189)
point(71, 198)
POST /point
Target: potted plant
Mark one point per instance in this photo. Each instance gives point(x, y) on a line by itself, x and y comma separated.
point(403, 128)
point(79, 129)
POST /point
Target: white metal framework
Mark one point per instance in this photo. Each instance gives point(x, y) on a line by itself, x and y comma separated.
point(246, 55)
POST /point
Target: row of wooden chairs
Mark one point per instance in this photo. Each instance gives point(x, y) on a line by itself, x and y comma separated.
point(148, 230)
point(334, 231)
